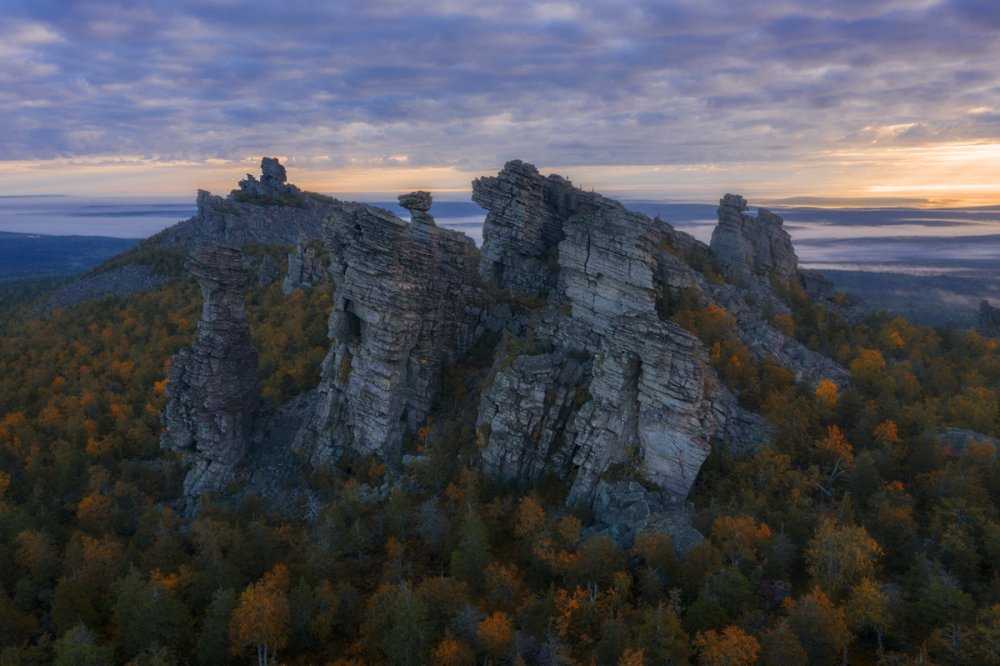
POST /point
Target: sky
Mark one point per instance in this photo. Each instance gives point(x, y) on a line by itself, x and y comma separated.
point(846, 102)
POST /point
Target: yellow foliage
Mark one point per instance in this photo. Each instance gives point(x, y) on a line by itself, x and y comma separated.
point(826, 392)
point(730, 647)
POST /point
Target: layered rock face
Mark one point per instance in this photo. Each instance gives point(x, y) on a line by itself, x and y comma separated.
point(617, 386)
point(523, 227)
point(273, 181)
point(305, 268)
point(752, 246)
point(407, 300)
point(213, 393)
point(269, 211)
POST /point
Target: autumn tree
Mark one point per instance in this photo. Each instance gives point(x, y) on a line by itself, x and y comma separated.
point(740, 538)
point(820, 626)
point(261, 616)
point(451, 652)
point(496, 634)
point(730, 647)
point(838, 556)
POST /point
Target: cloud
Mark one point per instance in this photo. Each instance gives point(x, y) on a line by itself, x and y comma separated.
point(468, 84)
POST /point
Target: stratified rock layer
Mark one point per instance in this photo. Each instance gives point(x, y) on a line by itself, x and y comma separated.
point(213, 392)
point(523, 226)
point(407, 300)
point(269, 211)
point(305, 268)
point(617, 386)
point(752, 245)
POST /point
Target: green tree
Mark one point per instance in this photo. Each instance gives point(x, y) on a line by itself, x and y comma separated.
point(472, 554)
point(79, 647)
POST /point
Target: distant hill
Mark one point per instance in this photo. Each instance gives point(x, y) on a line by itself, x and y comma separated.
point(32, 255)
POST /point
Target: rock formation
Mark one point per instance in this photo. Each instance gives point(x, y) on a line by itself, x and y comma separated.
point(523, 225)
point(213, 392)
point(273, 181)
point(407, 301)
point(305, 268)
point(591, 382)
point(616, 386)
point(752, 246)
point(988, 319)
point(268, 212)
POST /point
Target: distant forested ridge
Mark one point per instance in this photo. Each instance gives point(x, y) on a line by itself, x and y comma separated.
point(34, 256)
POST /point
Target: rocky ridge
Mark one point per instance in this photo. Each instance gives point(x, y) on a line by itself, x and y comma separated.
point(130, 279)
point(616, 386)
point(590, 382)
point(269, 211)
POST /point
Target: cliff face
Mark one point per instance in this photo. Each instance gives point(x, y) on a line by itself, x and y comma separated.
point(752, 245)
point(407, 300)
point(305, 268)
point(590, 383)
point(616, 386)
point(213, 393)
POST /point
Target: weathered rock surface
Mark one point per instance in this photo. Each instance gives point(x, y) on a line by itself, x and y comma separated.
point(407, 301)
point(273, 181)
point(752, 246)
point(305, 268)
point(269, 211)
point(624, 508)
point(988, 319)
point(638, 399)
point(523, 227)
point(213, 393)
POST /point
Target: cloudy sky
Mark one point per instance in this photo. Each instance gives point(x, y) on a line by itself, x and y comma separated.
point(672, 100)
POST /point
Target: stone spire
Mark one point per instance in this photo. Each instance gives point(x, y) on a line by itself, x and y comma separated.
point(213, 393)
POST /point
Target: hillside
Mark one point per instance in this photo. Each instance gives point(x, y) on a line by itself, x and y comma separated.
point(347, 438)
point(34, 256)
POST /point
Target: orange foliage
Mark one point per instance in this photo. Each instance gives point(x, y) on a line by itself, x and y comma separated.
point(730, 647)
point(496, 633)
point(837, 446)
point(450, 652)
point(826, 392)
point(261, 618)
point(886, 433)
point(530, 518)
point(740, 537)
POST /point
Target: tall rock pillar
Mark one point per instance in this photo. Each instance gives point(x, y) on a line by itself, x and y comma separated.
point(213, 393)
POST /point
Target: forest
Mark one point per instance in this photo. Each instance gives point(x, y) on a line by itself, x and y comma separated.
point(866, 532)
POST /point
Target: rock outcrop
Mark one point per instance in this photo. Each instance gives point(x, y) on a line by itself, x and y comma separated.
point(407, 301)
point(752, 246)
point(268, 212)
point(988, 320)
point(523, 226)
point(273, 181)
point(305, 268)
point(213, 393)
point(616, 386)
